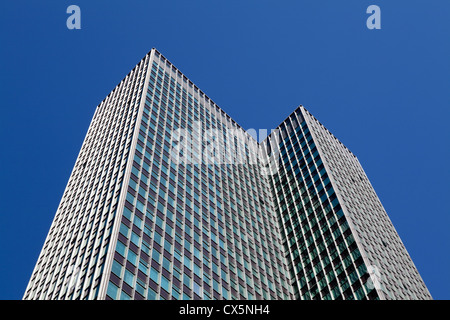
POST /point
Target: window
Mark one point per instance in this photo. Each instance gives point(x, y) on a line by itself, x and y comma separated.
point(124, 296)
point(132, 257)
point(135, 239)
point(120, 248)
point(112, 290)
point(124, 230)
point(156, 256)
point(116, 268)
point(126, 212)
point(165, 283)
point(187, 280)
point(154, 274)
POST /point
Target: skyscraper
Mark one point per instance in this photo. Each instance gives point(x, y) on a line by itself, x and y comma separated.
point(170, 198)
point(338, 240)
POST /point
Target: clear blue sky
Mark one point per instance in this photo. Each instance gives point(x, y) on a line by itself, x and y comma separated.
point(384, 93)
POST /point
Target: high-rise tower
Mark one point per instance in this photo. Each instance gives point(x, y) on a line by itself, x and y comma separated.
point(338, 240)
point(171, 199)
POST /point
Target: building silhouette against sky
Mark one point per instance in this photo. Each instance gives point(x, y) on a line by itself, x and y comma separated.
point(170, 198)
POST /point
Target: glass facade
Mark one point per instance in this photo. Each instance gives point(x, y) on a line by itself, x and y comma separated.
point(391, 270)
point(149, 215)
point(71, 263)
point(192, 230)
point(324, 259)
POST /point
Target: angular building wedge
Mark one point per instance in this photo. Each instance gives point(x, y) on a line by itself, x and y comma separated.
point(170, 198)
point(338, 240)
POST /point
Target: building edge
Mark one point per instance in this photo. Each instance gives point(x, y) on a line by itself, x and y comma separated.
point(103, 286)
